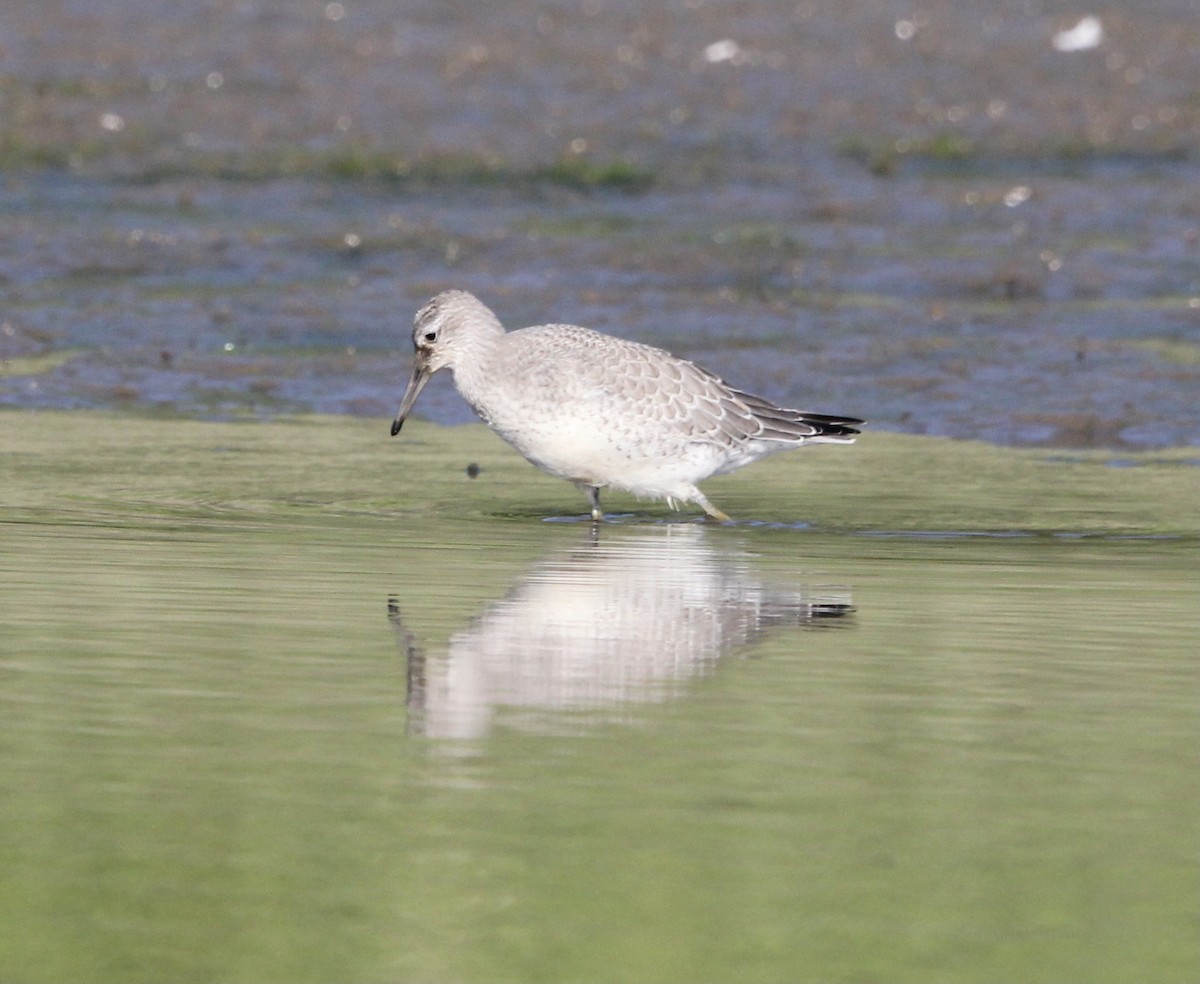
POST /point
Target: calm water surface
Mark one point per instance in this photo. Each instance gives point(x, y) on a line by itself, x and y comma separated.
point(931, 219)
point(371, 752)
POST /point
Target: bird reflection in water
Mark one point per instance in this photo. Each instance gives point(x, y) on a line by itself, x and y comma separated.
point(613, 622)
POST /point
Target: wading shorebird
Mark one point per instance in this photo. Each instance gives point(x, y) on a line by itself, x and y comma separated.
point(600, 411)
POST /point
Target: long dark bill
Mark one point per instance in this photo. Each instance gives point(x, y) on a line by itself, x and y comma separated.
point(420, 377)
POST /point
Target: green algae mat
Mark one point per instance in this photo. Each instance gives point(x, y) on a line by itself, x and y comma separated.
point(321, 468)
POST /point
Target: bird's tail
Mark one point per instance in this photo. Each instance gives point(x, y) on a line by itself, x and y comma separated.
point(799, 426)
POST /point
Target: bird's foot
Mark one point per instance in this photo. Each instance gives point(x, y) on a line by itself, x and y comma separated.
point(712, 511)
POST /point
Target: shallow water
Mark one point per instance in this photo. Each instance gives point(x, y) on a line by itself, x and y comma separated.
point(930, 219)
point(240, 751)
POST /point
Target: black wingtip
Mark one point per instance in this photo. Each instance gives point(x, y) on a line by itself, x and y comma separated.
point(833, 419)
point(396, 425)
point(834, 426)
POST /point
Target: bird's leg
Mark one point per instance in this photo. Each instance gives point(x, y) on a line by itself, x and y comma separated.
point(593, 494)
point(708, 507)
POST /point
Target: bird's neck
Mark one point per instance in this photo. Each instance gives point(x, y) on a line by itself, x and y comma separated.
point(477, 373)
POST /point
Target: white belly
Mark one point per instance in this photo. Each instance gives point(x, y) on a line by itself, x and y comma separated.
point(654, 466)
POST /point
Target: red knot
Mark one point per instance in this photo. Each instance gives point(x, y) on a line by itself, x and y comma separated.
point(600, 411)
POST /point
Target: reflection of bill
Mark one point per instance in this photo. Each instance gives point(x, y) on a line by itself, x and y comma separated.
point(604, 625)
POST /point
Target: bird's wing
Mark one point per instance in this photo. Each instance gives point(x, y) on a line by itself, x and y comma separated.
point(646, 384)
point(706, 408)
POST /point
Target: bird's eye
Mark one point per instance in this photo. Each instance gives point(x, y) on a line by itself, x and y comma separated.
point(431, 336)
